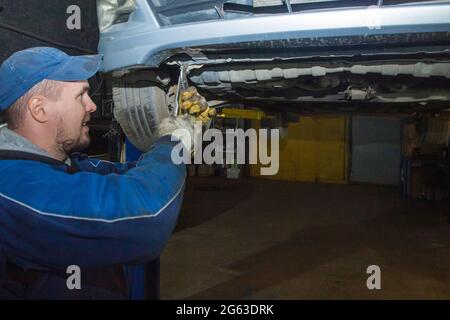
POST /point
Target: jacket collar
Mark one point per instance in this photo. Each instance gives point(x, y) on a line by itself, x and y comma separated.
point(13, 142)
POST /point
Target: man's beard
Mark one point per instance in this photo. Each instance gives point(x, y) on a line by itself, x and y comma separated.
point(67, 145)
point(71, 145)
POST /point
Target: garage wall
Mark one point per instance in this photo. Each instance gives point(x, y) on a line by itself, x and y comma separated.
point(313, 150)
point(376, 150)
point(46, 18)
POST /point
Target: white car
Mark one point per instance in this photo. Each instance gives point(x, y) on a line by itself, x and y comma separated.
point(283, 56)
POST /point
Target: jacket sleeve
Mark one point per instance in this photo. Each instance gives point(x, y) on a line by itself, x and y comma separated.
point(87, 219)
point(101, 166)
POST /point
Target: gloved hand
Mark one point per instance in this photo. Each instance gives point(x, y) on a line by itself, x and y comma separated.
point(196, 105)
point(181, 127)
point(195, 113)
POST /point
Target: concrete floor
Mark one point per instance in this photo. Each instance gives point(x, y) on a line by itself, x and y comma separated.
point(262, 239)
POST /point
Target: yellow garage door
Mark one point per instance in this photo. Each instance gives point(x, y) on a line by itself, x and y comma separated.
point(314, 149)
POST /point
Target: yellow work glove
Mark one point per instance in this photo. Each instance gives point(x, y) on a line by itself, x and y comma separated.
point(194, 104)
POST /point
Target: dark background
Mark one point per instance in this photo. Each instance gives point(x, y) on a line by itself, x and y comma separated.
point(46, 19)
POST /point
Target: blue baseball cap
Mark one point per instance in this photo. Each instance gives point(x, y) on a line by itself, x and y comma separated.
point(24, 69)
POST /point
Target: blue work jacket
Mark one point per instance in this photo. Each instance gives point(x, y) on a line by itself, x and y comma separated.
point(96, 215)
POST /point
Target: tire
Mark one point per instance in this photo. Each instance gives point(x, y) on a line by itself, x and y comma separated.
point(139, 107)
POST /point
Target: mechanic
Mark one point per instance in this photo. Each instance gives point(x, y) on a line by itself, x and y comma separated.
point(59, 208)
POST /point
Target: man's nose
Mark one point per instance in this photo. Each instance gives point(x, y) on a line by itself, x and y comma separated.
point(90, 105)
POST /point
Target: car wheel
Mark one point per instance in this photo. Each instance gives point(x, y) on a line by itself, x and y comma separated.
point(139, 107)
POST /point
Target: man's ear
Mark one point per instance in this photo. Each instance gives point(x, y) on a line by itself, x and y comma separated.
point(37, 106)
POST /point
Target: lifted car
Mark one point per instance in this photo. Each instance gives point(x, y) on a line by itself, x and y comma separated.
point(298, 56)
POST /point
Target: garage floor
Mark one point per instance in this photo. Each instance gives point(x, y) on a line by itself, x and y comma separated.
point(263, 239)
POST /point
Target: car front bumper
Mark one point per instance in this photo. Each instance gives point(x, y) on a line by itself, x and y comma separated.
point(142, 42)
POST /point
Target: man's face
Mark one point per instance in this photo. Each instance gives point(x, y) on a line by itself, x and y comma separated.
point(73, 111)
